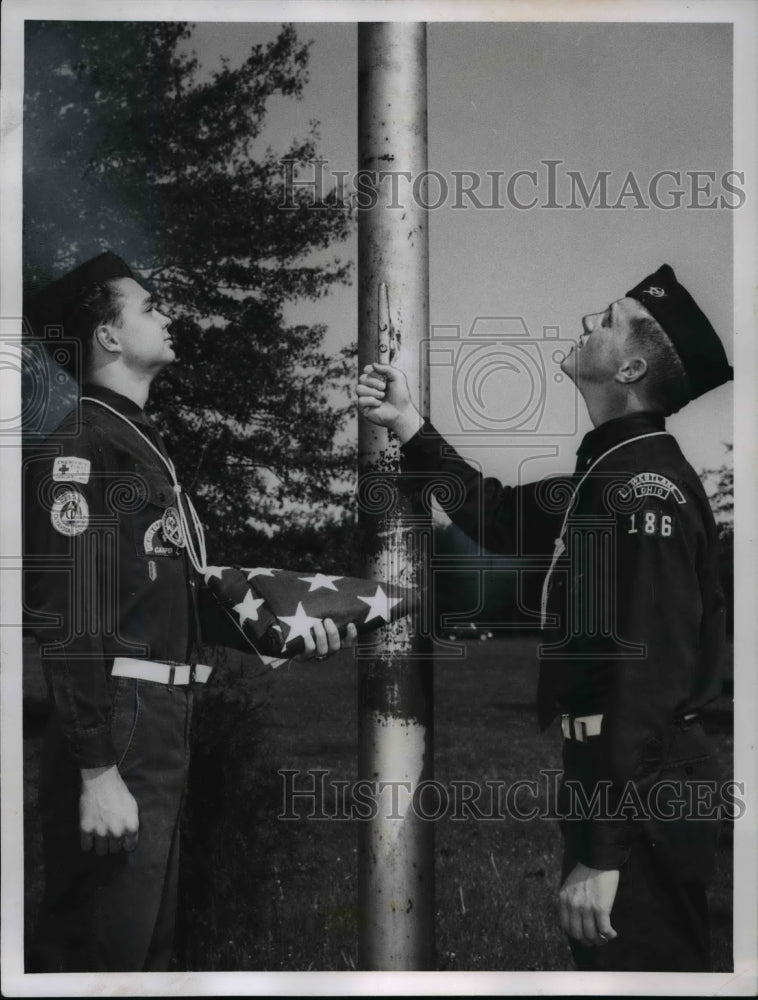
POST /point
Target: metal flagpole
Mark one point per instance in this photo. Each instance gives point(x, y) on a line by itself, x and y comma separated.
point(396, 846)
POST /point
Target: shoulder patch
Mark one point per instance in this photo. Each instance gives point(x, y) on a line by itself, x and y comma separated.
point(652, 484)
point(70, 469)
point(70, 513)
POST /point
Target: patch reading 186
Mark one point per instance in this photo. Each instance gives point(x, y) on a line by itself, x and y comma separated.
point(69, 514)
point(650, 522)
point(651, 484)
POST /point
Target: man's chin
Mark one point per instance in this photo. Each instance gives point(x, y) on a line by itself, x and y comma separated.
point(569, 365)
point(168, 359)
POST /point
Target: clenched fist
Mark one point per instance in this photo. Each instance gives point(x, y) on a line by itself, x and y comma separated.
point(108, 812)
point(585, 902)
point(384, 399)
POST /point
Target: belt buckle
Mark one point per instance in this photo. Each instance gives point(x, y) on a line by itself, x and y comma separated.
point(192, 673)
point(574, 728)
point(566, 726)
point(171, 675)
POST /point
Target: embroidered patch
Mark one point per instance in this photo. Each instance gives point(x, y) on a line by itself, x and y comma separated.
point(155, 543)
point(172, 527)
point(651, 484)
point(655, 291)
point(71, 470)
point(69, 514)
point(650, 522)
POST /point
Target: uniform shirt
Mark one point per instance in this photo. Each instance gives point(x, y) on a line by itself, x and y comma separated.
point(107, 572)
point(636, 614)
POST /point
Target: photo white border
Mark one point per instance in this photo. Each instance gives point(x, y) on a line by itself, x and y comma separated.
point(743, 14)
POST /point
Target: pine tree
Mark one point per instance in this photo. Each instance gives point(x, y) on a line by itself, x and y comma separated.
point(129, 147)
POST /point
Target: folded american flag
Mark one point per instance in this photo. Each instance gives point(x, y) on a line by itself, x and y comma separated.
point(275, 608)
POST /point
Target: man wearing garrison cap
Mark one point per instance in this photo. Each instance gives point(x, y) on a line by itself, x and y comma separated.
point(634, 618)
point(115, 566)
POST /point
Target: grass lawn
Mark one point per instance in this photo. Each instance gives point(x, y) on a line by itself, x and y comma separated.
point(261, 893)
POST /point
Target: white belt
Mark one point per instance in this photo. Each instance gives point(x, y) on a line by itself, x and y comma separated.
point(160, 673)
point(580, 727)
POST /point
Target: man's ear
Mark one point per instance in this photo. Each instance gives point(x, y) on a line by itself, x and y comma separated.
point(632, 370)
point(107, 338)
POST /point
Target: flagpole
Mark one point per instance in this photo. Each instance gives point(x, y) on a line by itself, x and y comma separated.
point(396, 846)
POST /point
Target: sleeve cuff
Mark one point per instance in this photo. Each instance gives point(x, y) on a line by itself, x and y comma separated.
point(604, 845)
point(93, 748)
point(422, 451)
point(422, 432)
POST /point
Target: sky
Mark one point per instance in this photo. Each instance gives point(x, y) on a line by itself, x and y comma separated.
point(505, 97)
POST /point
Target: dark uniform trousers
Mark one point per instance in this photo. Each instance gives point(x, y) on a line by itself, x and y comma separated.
point(661, 910)
point(109, 576)
point(635, 634)
point(116, 912)
point(661, 922)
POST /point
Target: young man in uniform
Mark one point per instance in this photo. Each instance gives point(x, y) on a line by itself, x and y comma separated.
point(633, 596)
point(115, 556)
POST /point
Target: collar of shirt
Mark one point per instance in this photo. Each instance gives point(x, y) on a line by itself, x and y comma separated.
point(128, 408)
point(613, 432)
point(123, 404)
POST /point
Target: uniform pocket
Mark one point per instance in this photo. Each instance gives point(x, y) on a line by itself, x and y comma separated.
point(125, 716)
point(685, 816)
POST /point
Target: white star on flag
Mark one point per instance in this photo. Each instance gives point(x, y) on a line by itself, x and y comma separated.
point(248, 608)
point(320, 582)
point(299, 624)
point(214, 571)
point(380, 605)
point(258, 571)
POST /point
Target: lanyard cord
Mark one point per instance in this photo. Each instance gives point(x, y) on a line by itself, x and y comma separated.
point(197, 556)
point(559, 544)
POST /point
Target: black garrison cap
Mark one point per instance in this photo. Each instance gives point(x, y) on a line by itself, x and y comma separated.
point(687, 327)
point(50, 306)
